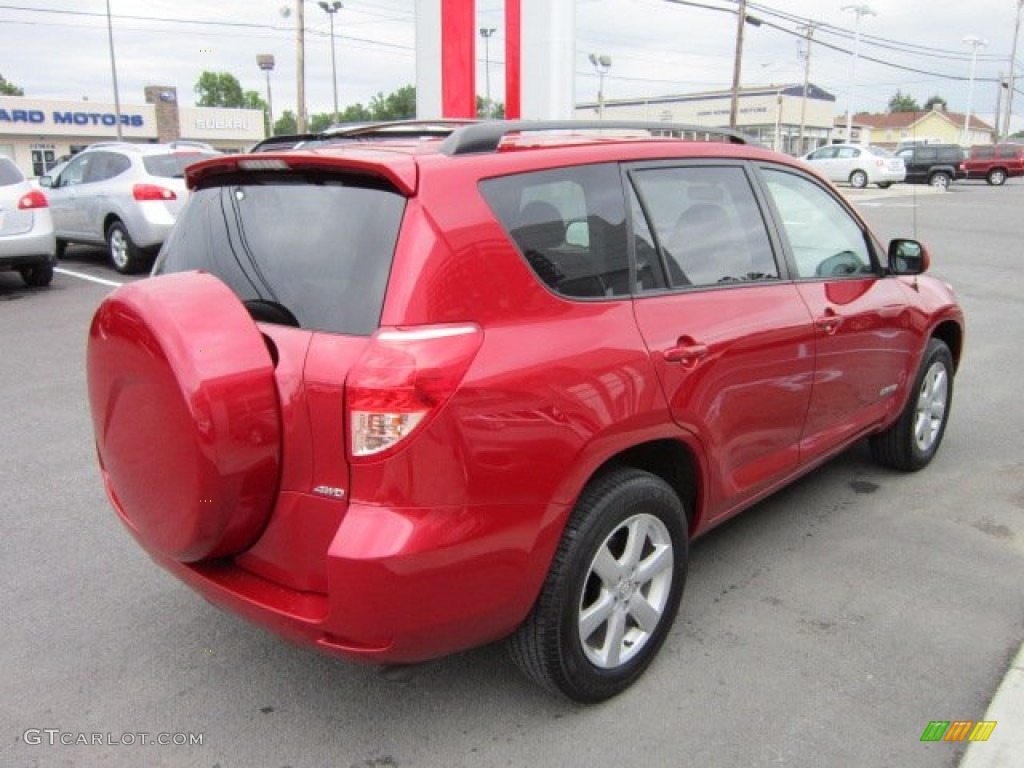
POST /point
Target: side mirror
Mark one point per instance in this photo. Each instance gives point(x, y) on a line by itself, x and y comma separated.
point(908, 257)
point(45, 181)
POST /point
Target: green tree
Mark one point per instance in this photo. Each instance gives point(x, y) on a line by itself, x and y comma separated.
point(8, 88)
point(493, 110)
point(320, 121)
point(936, 99)
point(219, 89)
point(903, 102)
point(397, 105)
point(356, 113)
point(285, 124)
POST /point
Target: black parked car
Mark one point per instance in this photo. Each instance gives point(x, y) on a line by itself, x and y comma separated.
point(936, 164)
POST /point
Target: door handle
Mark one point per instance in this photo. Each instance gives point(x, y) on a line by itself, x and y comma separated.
point(829, 321)
point(685, 352)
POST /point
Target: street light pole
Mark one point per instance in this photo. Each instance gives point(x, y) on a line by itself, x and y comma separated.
point(1013, 62)
point(861, 9)
point(602, 63)
point(331, 9)
point(974, 41)
point(265, 61)
point(485, 33)
point(113, 74)
point(300, 66)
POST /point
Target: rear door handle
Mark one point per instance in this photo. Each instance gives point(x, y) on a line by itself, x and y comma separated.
point(685, 352)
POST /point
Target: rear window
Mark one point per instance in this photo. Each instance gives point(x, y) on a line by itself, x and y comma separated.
point(9, 173)
point(305, 251)
point(173, 164)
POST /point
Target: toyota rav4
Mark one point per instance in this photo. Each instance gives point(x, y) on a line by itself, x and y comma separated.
point(399, 398)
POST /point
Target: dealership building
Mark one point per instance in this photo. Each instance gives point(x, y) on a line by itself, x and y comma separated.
point(35, 133)
point(783, 117)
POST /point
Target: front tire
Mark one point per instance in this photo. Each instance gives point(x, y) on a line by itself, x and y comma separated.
point(612, 592)
point(912, 442)
point(858, 179)
point(996, 177)
point(125, 255)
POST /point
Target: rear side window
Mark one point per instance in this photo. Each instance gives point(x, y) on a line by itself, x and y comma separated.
point(9, 173)
point(310, 252)
point(172, 165)
point(569, 224)
point(982, 153)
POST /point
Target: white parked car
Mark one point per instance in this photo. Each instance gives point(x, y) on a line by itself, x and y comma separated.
point(27, 242)
point(857, 164)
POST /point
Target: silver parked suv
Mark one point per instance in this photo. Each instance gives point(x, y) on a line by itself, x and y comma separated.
point(123, 195)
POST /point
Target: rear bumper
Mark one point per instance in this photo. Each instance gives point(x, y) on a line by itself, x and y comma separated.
point(35, 247)
point(149, 223)
point(402, 585)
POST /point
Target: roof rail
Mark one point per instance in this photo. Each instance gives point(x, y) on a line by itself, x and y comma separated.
point(406, 128)
point(486, 136)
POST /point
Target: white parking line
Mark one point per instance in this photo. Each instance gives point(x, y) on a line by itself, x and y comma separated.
point(90, 278)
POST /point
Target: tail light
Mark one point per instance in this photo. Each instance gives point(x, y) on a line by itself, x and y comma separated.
point(152, 192)
point(403, 378)
point(33, 199)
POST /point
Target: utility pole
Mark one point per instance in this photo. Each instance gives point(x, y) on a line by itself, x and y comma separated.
point(999, 105)
point(737, 66)
point(809, 29)
point(1013, 62)
point(113, 74)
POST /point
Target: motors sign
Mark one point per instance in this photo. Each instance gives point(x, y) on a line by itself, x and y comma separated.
point(68, 117)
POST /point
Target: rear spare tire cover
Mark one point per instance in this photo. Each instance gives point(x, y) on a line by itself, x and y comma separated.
point(186, 415)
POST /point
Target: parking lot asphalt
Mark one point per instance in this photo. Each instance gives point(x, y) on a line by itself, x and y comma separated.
point(827, 626)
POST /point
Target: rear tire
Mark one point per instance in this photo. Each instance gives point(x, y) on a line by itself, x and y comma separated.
point(125, 255)
point(612, 592)
point(858, 179)
point(62, 246)
point(38, 275)
point(940, 180)
point(912, 442)
point(996, 177)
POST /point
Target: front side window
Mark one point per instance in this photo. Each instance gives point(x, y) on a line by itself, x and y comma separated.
point(570, 226)
point(77, 170)
point(825, 239)
point(707, 225)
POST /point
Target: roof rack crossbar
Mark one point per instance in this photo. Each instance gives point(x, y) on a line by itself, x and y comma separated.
point(486, 136)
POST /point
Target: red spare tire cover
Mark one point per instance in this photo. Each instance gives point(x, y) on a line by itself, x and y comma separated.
point(186, 415)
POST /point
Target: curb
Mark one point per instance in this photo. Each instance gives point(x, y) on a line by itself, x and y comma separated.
point(1005, 749)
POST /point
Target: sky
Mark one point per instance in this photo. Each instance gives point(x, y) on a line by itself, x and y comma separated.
point(60, 50)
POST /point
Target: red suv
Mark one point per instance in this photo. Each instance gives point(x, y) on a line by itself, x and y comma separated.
point(995, 163)
point(396, 399)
